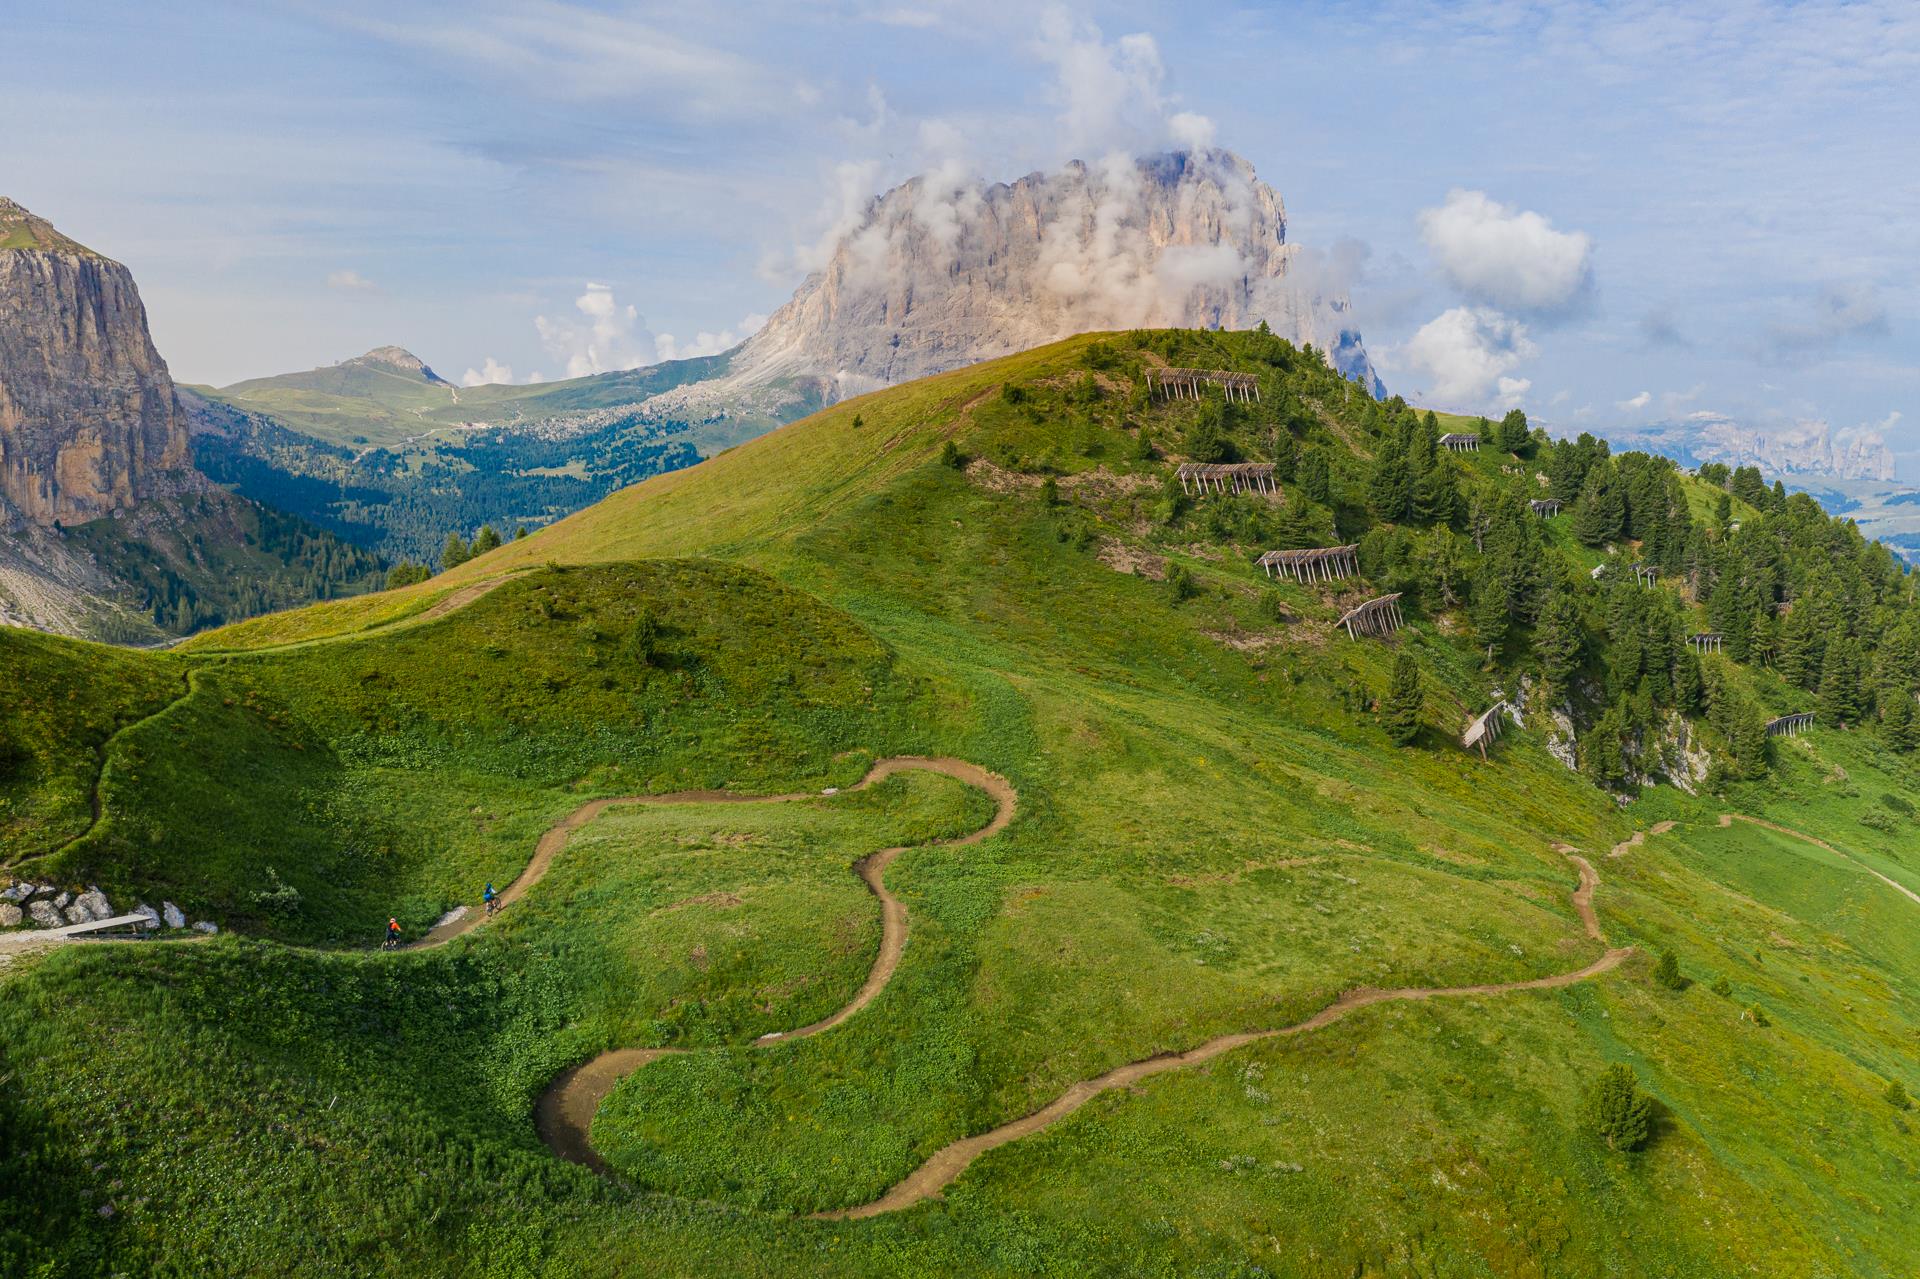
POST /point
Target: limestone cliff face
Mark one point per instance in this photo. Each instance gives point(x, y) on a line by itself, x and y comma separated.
point(89, 423)
point(939, 274)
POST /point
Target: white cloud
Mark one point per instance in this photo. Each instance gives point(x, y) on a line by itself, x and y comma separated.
point(490, 373)
point(1838, 312)
point(612, 337)
point(1635, 402)
point(669, 347)
point(1467, 353)
point(1191, 131)
point(350, 281)
point(1506, 258)
point(1511, 392)
point(1112, 95)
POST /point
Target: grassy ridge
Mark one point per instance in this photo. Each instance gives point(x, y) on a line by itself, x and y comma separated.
point(1214, 835)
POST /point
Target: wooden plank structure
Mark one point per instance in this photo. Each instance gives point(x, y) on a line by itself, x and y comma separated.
point(1545, 507)
point(1645, 574)
point(1705, 642)
point(1484, 729)
point(1313, 564)
point(1375, 617)
point(1201, 478)
point(1459, 443)
point(1788, 725)
point(1185, 384)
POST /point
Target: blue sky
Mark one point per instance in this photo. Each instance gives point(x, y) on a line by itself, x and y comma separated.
point(1612, 214)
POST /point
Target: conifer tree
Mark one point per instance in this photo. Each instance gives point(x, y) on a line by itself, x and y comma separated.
point(1404, 703)
point(1390, 490)
point(455, 553)
point(1840, 683)
point(487, 539)
point(1615, 1110)
point(1557, 640)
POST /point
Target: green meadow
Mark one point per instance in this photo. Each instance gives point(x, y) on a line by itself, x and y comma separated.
point(1215, 833)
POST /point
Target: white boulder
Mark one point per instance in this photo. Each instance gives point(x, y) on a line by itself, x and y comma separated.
point(11, 915)
point(96, 904)
point(206, 926)
point(175, 917)
point(153, 916)
point(45, 915)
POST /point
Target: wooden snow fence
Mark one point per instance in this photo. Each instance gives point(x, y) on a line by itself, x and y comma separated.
point(1705, 642)
point(1484, 729)
point(1789, 725)
point(1457, 442)
point(1200, 478)
point(1313, 564)
point(1375, 617)
point(1186, 384)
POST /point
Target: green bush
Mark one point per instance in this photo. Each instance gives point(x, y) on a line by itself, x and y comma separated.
point(1896, 1095)
point(1667, 972)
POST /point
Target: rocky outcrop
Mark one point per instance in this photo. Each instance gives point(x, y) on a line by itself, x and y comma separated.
point(88, 419)
point(937, 274)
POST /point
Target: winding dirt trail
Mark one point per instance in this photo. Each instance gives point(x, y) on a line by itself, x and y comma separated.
point(1640, 837)
point(946, 1164)
point(564, 1114)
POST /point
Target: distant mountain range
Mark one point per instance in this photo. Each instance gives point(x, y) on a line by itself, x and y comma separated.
point(1806, 449)
point(381, 450)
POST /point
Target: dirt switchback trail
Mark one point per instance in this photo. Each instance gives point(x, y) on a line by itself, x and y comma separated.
point(564, 1114)
point(946, 1164)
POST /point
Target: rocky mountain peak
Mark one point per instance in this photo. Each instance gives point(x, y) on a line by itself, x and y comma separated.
point(89, 423)
point(399, 359)
point(939, 273)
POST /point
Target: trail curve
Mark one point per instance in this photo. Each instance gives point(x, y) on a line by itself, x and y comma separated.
point(947, 1163)
point(1728, 819)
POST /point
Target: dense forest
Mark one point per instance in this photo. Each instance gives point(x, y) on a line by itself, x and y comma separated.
point(402, 504)
point(218, 559)
point(1591, 606)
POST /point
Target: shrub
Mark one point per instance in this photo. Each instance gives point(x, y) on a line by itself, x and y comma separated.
point(1013, 393)
point(950, 455)
point(1896, 1095)
point(1755, 1014)
point(278, 897)
point(1181, 583)
point(1616, 1111)
point(1898, 803)
point(1667, 971)
point(1049, 492)
point(1878, 821)
point(858, 421)
point(1721, 986)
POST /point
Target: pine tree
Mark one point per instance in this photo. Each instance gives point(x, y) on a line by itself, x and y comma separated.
point(1492, 608)
point(1667, 971)
point(1899, 724)
point(1600, 512)
point(1557, 640)
point(455, 553)
point(1513, 435)
point(1616, 1112)
point(1316, 480)
point(1840, 683)
point(1390, 490)
point(487, 539)
point(1404, 704)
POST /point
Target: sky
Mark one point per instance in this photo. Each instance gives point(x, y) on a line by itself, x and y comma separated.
point(1609, 214)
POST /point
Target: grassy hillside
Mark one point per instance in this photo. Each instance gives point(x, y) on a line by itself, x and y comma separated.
point(366, 402)
point(1215, 834)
